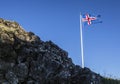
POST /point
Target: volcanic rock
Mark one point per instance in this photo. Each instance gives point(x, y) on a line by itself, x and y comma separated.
point(26, 59)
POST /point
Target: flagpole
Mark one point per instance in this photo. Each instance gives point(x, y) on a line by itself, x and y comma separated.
point(81, 38)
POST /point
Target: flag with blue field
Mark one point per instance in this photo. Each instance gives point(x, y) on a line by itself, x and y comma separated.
point(89, 19)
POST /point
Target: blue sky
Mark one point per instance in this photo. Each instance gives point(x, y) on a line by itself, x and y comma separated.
point(58, 20)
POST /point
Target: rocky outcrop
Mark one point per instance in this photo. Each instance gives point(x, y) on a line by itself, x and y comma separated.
point(26, 59)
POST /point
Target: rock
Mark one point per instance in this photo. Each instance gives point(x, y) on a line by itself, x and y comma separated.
point(26, 59)
point(21, 71)
point(11, 77)
point(1, 20)
point(14, 24)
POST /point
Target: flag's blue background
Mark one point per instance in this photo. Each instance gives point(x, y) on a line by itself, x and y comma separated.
point(58, 20)
point(96, 21)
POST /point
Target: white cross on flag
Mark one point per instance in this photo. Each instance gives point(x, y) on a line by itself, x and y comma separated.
point(88, 19)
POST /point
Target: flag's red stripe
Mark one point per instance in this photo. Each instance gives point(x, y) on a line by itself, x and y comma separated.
point(88, 19)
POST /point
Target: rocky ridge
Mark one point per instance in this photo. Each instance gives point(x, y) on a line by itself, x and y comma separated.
point(26, 59)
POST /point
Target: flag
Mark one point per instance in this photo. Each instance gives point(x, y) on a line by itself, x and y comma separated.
point(87, 18)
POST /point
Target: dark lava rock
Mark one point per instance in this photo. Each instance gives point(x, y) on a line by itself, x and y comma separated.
point(26, 59)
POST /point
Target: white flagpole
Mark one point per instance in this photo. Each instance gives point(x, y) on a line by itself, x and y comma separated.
point(81, 37)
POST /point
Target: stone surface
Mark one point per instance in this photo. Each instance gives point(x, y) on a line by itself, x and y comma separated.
point(26, 59)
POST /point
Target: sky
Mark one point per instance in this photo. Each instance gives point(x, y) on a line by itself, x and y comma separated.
point(58, 21)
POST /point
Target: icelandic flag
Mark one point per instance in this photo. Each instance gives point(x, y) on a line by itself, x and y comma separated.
point(87, 18)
